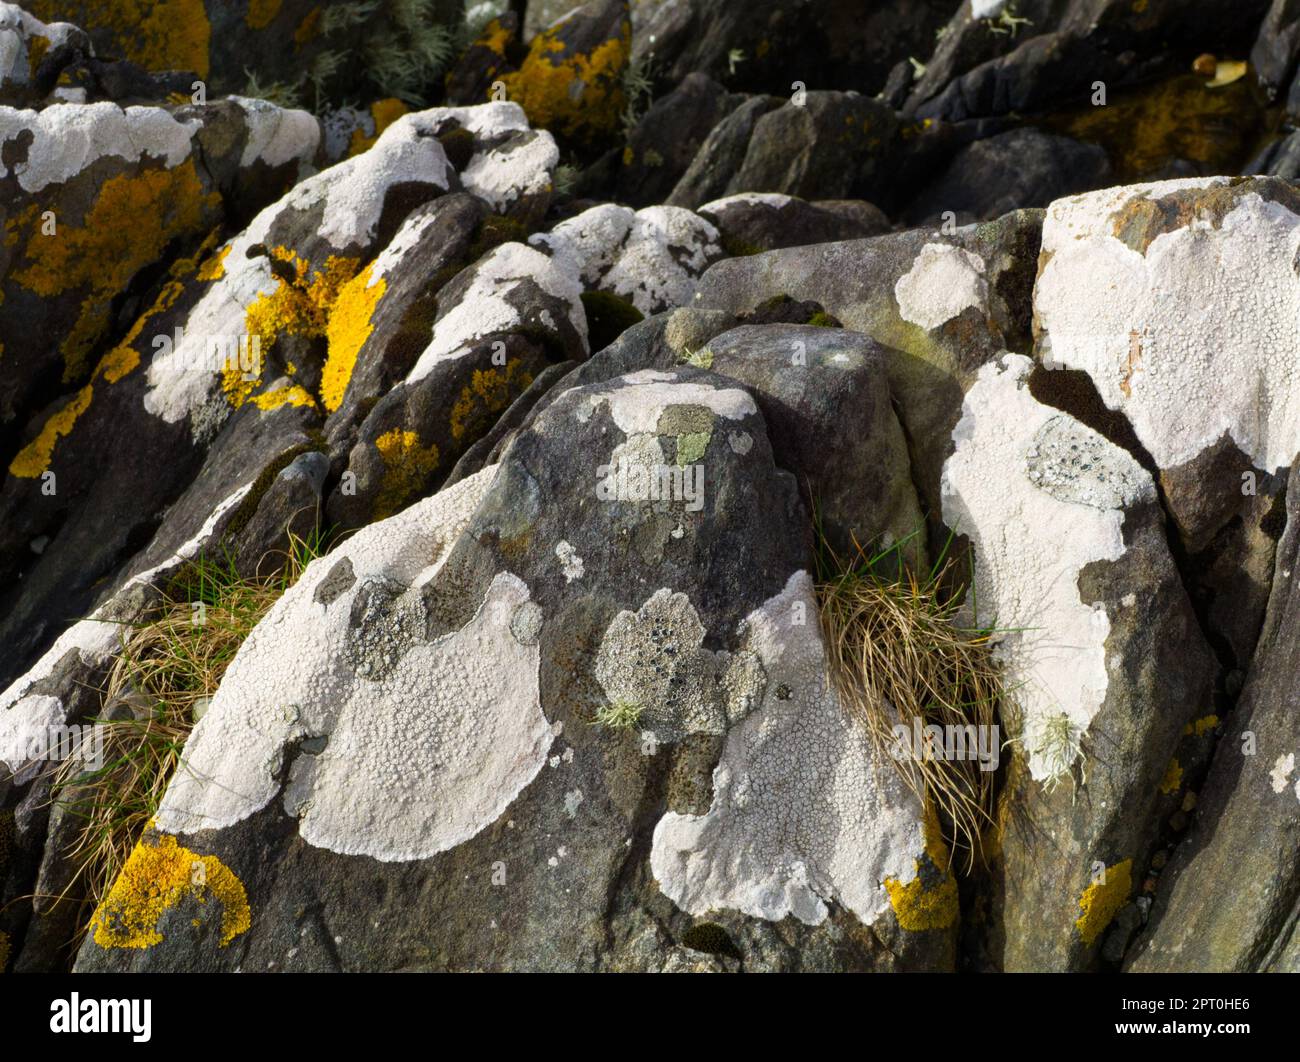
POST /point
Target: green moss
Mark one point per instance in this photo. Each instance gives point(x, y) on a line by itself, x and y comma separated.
point(492, 232)
point(823, 320)
point(608, 317)
point(738, 248)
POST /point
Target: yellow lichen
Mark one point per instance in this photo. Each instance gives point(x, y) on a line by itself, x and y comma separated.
point(487, 392)
point(133, 219)
point(577, 95)
point(299, 307)
point(383, 113)
point(157, 877)
point(35, 458)
point(215, 267)
point(406, 465)
point(1102, 900)
point(293, 395)
point(261, 13)
point(1201, 726)
point(349, 328)
point(157, 34)
point(929, 900)
point(1173, 777)
point(36, 49)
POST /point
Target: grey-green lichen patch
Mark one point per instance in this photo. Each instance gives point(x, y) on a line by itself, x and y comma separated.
point(386, 621)
point(655, 658)
point(1072, 463)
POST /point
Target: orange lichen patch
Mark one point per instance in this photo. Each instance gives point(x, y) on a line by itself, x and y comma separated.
point(1173, 777)
point(929, 900)
point(1102, 900)
point(157, 34)
point(349, 328)
point(133, 219)
point(406, 466)
point(308, 28)
point(261, 13)
point(34, 458)
point(383, 113)
point(1201, 726)
point(488, 392)
point(577, 95)
point(155, 879)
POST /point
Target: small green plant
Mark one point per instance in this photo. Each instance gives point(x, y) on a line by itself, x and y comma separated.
point(565, 178)
point(619, 715)
point(1007, 22)
point(169, 667)
point(1057, 743)
point(638, 91)
point(901, 650)
point(282, 94)
point(700, 359)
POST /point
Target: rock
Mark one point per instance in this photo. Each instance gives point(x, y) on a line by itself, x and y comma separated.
point(945, 303)
point(650, 258)
point(721, 155)
point(1248, 818)
point(1277, 48)
point(87, 224)
point(811, 384)
point(484, 62)
point(561, 815)
point(765, 221)
point(1101, 650)
point(282, 280)
point(832, 145)
point(1219, 452)
point(765, 44)
point(664, 142)
point(570, 83)
point(1021, 168)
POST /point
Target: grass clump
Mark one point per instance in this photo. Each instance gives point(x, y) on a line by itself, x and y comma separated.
point(900, 650)
point(168, 669)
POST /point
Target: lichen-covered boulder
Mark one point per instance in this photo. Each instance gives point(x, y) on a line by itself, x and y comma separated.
point(651, 258)
point(434, 765)
point(39, 889)
point(1166, 297)
point(99, 194)
point(943, 304)
point(251, 347)
point(499, 324)
point(1105, 663)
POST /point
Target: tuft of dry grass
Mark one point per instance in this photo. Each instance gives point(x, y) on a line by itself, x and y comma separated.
point(168, 669)
point(900, 650)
